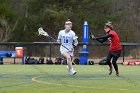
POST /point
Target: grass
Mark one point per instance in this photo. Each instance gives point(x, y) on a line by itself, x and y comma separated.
point(16, 78)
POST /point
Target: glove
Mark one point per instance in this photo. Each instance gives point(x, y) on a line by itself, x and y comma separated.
point(58, 41)
point(75, 43)
point(74, 46)
point(92, 36)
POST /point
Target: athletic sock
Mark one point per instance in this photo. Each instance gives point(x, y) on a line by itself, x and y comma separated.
point(70, 65)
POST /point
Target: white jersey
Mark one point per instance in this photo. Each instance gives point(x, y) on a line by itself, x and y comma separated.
point(66, 40)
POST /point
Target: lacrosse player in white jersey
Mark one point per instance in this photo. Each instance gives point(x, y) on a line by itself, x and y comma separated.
point(68, 40)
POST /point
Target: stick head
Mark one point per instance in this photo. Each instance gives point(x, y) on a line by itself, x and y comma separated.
point(42, 32)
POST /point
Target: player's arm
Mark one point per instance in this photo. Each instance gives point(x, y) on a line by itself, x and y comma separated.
point(75, 41)
point(59, 38)
point(103, 38)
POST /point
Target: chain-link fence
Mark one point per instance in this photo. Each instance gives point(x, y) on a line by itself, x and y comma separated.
point(51, 49)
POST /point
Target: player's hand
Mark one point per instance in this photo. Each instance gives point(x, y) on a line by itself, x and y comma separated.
point(92, 36)
point(74, 46)
point(58, 41)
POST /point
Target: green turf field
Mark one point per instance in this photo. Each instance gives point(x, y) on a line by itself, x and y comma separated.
point(54, 79)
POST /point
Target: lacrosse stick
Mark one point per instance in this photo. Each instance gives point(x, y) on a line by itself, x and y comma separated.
point(44, 33)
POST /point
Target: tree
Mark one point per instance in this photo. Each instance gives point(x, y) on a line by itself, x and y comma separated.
point(53, 13)
point(8, 22)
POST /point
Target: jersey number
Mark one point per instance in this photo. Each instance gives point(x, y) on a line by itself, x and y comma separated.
point(65, 40)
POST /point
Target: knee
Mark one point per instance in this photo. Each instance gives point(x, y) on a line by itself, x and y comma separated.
point(108, 61)
point(113, 62)
point(68, 58)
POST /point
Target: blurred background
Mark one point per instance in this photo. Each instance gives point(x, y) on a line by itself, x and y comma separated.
point(20, 19)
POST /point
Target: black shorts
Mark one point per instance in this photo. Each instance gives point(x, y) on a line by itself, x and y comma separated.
point(113, 54)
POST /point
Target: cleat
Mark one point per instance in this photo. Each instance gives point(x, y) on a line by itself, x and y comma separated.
point(72, 72)
point(117, 74)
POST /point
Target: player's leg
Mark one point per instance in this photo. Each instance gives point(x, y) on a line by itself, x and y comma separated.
point(108, 59)
point(114, 61)
point(71, 71)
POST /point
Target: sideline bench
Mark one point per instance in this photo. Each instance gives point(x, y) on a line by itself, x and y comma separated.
point(9, 54)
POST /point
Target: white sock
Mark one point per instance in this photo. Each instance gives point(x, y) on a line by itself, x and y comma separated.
point(70, 66)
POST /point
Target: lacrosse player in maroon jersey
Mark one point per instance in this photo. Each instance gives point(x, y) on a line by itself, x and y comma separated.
point(114, 48)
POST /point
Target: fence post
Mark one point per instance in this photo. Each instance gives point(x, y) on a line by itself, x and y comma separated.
point(50, 51)
point(123, 53)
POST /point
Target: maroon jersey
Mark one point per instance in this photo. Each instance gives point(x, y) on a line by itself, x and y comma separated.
point(114, 41)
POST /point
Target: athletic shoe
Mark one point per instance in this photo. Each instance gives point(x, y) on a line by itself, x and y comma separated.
point(117, 73)
point(72, 72)
point(110, 71)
